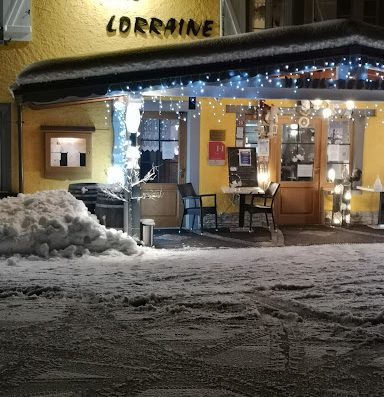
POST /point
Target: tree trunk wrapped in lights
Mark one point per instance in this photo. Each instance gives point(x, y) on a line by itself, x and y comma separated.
point(124, 175)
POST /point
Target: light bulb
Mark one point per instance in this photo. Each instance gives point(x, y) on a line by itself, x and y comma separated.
point(327, 113)
point(347, 195)
point(350, 105)
point(338, 189)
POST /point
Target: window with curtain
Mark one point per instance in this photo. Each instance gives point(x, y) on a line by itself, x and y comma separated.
point(159, 141)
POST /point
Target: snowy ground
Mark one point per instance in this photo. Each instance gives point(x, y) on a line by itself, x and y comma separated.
point(289, 321)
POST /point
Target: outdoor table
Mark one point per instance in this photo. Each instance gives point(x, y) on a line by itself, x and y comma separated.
point(242, 192)
point(380, 217)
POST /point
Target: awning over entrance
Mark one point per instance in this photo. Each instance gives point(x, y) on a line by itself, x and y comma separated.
point(292, 62)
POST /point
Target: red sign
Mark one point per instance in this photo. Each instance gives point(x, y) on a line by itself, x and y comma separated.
point(216, 153)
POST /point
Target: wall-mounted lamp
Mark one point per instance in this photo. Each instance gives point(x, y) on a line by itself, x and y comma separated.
point(263, 175)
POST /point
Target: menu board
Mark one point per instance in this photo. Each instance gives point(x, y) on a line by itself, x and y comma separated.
point(242, 167)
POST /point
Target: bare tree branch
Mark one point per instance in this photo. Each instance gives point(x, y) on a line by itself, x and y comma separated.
point(149, 176)
point(124, 192)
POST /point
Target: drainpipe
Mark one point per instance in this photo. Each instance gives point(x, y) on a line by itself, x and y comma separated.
point(221, 18)
point(229, 14)
point(20, 146)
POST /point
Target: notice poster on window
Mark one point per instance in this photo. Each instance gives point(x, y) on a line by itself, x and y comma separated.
point(245, 157)
point(338, 153)
point(263, 147)
point(239, 132)
point(304, 170)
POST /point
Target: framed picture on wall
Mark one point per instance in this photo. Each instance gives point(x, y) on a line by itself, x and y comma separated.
point(67, 153)
point(216, 153)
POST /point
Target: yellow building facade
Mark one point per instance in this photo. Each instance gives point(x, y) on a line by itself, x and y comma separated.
point(69, 28)
point(65, 28)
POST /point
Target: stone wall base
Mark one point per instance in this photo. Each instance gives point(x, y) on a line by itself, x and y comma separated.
point(231, 220)
point(357, 218)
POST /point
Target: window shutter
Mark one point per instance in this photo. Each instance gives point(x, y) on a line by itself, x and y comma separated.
point(17, 20)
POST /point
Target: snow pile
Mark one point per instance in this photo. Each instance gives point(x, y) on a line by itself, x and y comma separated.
point(55, 223)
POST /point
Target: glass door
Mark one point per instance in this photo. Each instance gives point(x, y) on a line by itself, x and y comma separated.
point(298, 171)
point(297, 153)
point(162, 143)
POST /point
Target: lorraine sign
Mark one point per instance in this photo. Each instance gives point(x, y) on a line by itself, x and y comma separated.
point(155, 26)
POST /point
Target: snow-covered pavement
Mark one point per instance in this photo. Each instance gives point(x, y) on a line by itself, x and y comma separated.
point(213, 322)
point(86, 312)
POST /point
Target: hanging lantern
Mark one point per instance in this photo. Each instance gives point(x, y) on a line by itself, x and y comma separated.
point(133, 114)
point(331, 175)
point(133, 155)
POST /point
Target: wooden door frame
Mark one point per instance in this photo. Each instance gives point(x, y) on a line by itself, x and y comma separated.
point(167, 188)
point(182, 137)
point(182, 168)
point(318, 170)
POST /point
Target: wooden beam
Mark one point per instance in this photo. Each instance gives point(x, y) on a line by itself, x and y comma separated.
point(67, 128)
point(35, 106)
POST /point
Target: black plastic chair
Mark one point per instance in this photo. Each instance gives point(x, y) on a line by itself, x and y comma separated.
point(266, 205)
point(194, 204)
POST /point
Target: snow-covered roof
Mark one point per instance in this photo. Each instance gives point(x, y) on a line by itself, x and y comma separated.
point(88, 76)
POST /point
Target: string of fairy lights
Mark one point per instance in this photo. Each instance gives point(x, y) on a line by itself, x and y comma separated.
point(295, 76)
point(332, 110)
point(355, 72)
point(246, 90)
